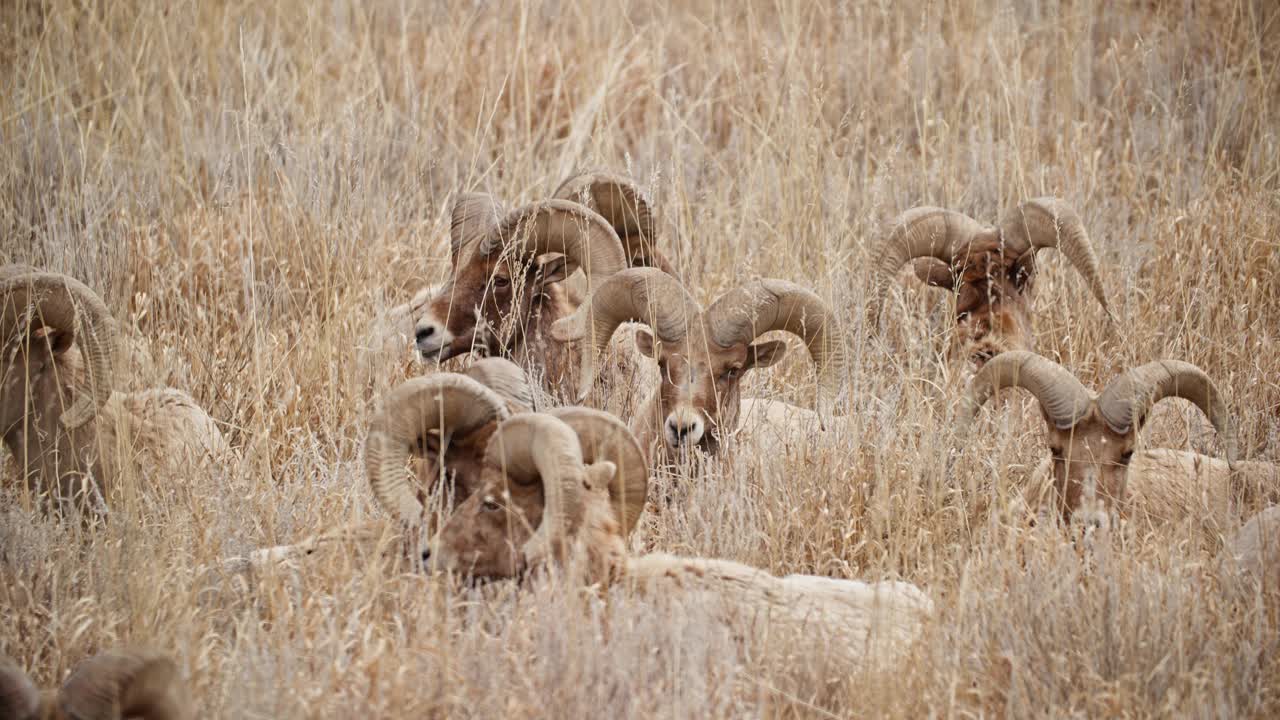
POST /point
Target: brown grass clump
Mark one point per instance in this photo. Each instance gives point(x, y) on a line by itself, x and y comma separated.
point(251, 187)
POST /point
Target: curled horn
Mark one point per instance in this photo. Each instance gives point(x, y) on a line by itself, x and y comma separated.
point(923, 232)
point(451, 404)
point(505, 378)
point(747, 312)
point(9, 271)
point(125, 685)
point(1126, 402)
point(1062, 398)
point(58, 300)
point(18, 697)
point(623, 204)
point(604, 437)
point(473, 216)
point(645, 295)
point(1048, 222)
point(559, 226)
point(533, 447)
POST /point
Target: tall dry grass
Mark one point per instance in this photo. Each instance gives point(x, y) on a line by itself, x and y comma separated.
point(251, 185)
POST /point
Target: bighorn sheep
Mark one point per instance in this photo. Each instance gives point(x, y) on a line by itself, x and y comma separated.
point(549, 498)
point(1092, 438)
point(627, 208)
point(991, 269)
point(702, 354)
point(505, 289)
point(429, 430)
point(109, 685)
point(58, 341)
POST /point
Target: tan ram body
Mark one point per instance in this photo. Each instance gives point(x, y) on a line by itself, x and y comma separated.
point(111, 685)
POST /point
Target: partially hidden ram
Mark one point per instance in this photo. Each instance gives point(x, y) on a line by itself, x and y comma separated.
point(429, 443)
point(70, 434)
point(514, 273)
point(991, 269)
point(549, 501)
point(117, 684)
point(703, 354)
point(1095, 468)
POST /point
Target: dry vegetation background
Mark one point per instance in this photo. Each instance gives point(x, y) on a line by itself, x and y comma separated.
point(252, 185)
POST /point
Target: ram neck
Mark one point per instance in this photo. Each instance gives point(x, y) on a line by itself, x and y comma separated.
point(532, 346)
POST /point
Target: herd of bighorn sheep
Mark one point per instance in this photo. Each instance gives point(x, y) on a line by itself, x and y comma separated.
point(484, 478)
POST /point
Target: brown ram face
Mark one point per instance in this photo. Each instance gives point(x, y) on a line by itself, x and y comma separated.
point(485, 304)
point(1090, 468)
point(994, 289)
point(484, 537)
point(700, 386)
point(463, 467)
point(27, 370)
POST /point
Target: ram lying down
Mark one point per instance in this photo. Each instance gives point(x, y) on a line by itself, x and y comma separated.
point(560, 493)
point(548, 503)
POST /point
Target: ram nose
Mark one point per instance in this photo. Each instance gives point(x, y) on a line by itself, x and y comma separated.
point(684, 428)
point(431, 337)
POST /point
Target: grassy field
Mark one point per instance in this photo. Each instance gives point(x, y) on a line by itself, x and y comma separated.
point(251, 186)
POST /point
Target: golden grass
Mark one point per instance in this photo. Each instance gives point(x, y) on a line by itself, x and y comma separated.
point(251, 185)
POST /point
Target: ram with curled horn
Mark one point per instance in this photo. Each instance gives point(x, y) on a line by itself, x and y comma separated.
point(702, 355)
point(424, 453)
point(507, 283)
point(992, 270)
point(129, 684)
point(1094, 468)
point(59, 417)
point(560, 493)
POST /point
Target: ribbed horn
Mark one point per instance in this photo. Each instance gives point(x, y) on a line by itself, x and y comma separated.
point(538, 447)
point(1048, 222)
point(621, 202)
point(922, 232)
point(604, 437)
point(559, 226)
point(747, 312)
point(645, 295)
point(1126, 402)
point(58, 301)
point(125, 685)
point(452, 404)
point(1062, 398)
point(474, 216)
point(505, 378)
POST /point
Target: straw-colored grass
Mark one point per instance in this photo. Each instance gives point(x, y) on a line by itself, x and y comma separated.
point(251, 185)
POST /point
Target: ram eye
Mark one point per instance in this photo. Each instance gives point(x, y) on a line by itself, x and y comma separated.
point(501, 283)
point(490, 506)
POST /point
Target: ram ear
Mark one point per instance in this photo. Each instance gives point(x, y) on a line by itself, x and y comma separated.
point(600, 474)
point(764, 354)
point(645, 343)
point(552, 268)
